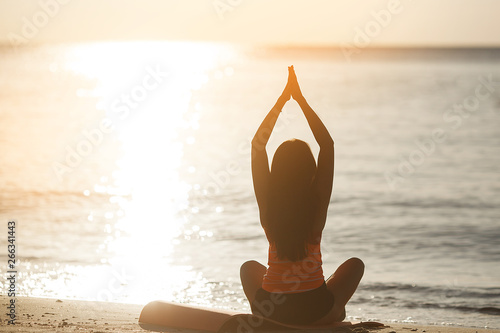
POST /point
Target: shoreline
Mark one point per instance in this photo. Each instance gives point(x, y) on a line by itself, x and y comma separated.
point(54, 315)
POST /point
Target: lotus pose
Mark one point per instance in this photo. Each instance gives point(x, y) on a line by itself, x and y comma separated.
point(293, 199)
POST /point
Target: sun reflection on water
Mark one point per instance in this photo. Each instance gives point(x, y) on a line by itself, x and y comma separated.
point(130, 219)
point(146, 187)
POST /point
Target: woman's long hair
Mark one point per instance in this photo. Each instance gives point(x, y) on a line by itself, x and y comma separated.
point(290, 209)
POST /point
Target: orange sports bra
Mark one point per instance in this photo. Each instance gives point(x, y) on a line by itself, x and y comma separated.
point(284, 276)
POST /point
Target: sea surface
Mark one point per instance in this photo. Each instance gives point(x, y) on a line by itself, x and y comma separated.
point(126, 168)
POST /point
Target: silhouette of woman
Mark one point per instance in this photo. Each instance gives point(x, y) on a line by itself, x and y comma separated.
point(293, 199)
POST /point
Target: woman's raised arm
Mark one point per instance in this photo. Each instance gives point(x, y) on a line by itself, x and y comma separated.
point(319, 130)
point(260, 163)
point(323, 181)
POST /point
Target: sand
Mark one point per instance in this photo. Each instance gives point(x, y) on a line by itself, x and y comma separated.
point(52, 315)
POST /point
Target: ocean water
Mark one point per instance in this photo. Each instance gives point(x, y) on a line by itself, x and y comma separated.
point(126, 167)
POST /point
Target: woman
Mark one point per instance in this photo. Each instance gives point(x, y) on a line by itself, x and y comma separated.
point(293, 200)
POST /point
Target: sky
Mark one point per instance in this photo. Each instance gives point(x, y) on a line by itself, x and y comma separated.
point(299, 22)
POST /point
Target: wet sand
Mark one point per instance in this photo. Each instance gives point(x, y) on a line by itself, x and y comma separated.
point(52, 315)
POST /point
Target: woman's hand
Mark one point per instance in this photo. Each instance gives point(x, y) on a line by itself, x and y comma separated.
point(294, 84)
point(286, 94)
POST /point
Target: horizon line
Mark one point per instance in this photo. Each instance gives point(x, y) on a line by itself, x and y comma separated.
point(337, 45)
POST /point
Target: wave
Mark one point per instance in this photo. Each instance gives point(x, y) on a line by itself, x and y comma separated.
point(450, 298)
point(488, 310)
point(415, 202)
point(468, 292)
point(443, 203)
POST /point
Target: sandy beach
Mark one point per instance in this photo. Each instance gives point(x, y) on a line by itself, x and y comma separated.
point(53, 315)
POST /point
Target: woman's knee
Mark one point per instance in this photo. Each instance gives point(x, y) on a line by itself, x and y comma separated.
point(249, 267)
point(356, 264)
